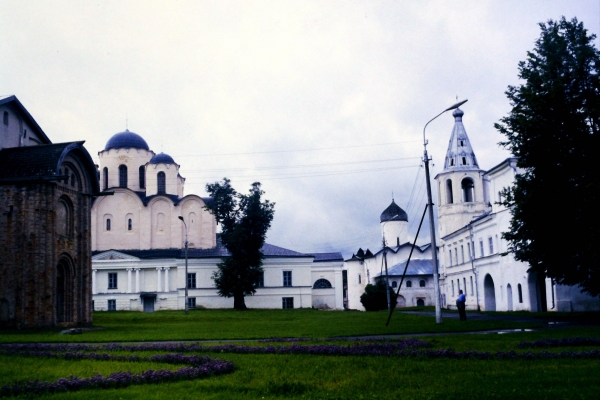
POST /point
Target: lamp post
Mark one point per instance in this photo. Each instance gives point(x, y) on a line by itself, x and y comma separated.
point(186, 264)
point(436, 278)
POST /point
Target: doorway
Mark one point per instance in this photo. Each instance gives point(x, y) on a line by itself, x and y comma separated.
point(489, 293)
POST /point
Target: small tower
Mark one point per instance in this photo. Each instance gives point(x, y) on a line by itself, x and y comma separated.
point(461, 192)
point(394, 225)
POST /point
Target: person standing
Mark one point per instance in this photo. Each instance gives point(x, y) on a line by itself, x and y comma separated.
point(460, 305)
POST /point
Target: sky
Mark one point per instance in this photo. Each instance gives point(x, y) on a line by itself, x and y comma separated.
point(323, 102)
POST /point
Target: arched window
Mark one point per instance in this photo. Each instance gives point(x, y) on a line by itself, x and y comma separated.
point(142, 177)
point(129, 224)
point(64, 217)
point(322, 284)
point(421, 283)
point(122, 176)
point(467, 190)
point(394, 284)
point(108, 224)
point(449, 197)
point(162, 184)
point(520, 293)
point(105, 177)
point(408, 284)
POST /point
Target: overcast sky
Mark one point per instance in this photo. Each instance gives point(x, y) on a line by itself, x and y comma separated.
point(322, 102)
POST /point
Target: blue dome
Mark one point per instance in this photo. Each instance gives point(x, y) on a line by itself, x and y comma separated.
point(126, 140)
point(162, 158)
point(393, 213)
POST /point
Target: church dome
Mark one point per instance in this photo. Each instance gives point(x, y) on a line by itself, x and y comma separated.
point(393, 213)
point(162, 158)
point(126, 140)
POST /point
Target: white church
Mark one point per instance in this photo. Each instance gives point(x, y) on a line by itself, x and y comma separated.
point(138, 260)
point(473, 256)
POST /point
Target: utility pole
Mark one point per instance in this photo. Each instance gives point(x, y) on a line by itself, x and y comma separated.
point(434, 259)
point(186, 265)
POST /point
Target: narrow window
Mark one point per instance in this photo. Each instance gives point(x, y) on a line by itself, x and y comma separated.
point(394, 284)
point(122, 176)
point(469, 251)
point(472, 286)
point(260, 282)
point(408, 284)
point(467, 190)
point(491, 243)
point(450, 258)
point(112, 280)
point(112, 305)
point(359, 279)
point(464, 161)
point(105, 178)
point(129, 224)
point(162, 186)
point(458, 284)
point(499, 197)
point(25, 133)
point(191, 281)
point(465, 285)
point(452, 162)
point(287, 278)
point(456, 256)
point(191, 302)
point(461, 143)
point(287, 302)
point(108, 224)
point(462, 253)
point(142, 177)
point(452, 288)
point(422, 283)
point(449, 197)
point(520, 293)
point(5, 119)
point(481, 247)
point(473, 249)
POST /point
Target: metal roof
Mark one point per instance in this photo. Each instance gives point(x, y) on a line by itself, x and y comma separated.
point(126, 140)
point(393, 213)
point(460, 155)
point(162, 158)
point(415, 267)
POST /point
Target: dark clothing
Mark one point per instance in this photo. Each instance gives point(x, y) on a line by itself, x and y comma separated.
point(460, 305)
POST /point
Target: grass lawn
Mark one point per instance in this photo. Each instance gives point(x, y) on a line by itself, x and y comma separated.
point(230, 324)
point(304, 376)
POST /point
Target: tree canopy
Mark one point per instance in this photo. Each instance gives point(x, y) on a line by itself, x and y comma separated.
point(375, 299)
point(553, 129)
point(244, 219)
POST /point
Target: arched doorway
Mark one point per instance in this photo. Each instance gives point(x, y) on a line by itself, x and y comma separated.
point(509, 298)
point(489, 293)
point(64, 291)
point(536, 284)
point(420, 302)
point(400, 302)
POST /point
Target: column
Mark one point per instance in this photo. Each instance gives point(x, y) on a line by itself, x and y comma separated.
point(129, 280)
point(167, 278)
point(159, 281)
point(94, 291)
point(137, 280)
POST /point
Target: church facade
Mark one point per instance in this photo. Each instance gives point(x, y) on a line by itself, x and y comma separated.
point(139, 234)
point(365, 267)
point(473, 256)
point(46, 192)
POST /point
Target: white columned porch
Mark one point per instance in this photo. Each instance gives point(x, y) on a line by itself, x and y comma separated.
point(137, 280)
point(159, 279)
point(129, 282)
point(167, 278)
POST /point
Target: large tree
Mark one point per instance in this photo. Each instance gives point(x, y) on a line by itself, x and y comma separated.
point(244, 219)
point(553, 129)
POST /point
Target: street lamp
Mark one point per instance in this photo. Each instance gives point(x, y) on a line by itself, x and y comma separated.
point(436, 278)
point(186, 264)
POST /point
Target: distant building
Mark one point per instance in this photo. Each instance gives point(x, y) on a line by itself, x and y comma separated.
point(45, 246)
point(472, 252)
point(365, 267)
point(138, 240)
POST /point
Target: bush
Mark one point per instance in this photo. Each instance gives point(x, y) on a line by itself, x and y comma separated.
point(375, 299)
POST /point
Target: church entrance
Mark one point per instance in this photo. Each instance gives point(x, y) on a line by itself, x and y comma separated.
point(64, 292)
point(537, 292)
point(489, 293)
point(148, 301)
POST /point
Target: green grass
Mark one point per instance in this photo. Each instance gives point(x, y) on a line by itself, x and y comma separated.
point(253, 324)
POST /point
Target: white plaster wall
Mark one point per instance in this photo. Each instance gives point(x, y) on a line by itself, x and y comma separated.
point(133, 159)
point(123, 204)
point(394, 232)
point(172, 181)
point(17, 133)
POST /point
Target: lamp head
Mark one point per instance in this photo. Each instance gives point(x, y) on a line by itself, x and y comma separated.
point(455, 106)
point(180, 217)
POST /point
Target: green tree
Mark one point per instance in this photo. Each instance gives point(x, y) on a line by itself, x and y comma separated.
point(374, 297)
point(553, 129)
point(244, 219)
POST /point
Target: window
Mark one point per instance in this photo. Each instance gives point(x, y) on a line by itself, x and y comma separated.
point(452, 288)
point(469, 251)
point(394, 284)
point(462, 253)
point(467, 190)
point(112, 280)
point(122, 176)
point(359, 279)
point(5, 119)
point(464, 160)
point(449, 197)
point(64, 217)
point(142, 177)
point(191, 280)
point(105, 177)
point(287, 278)
point(520, 293)
point(472, 286)
point(491, 243)
point(456, 256)
point(108, 224)
point(287, 302)
point(408, 284)
point(162, 185)
point(458, 284)
point(191, 302)
point(422, 283)
point(260, 281)
point(322, 284)
point(450, 257)
point(481, 247)
point(129, 224)
point(465, 285)
point(112, 305)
